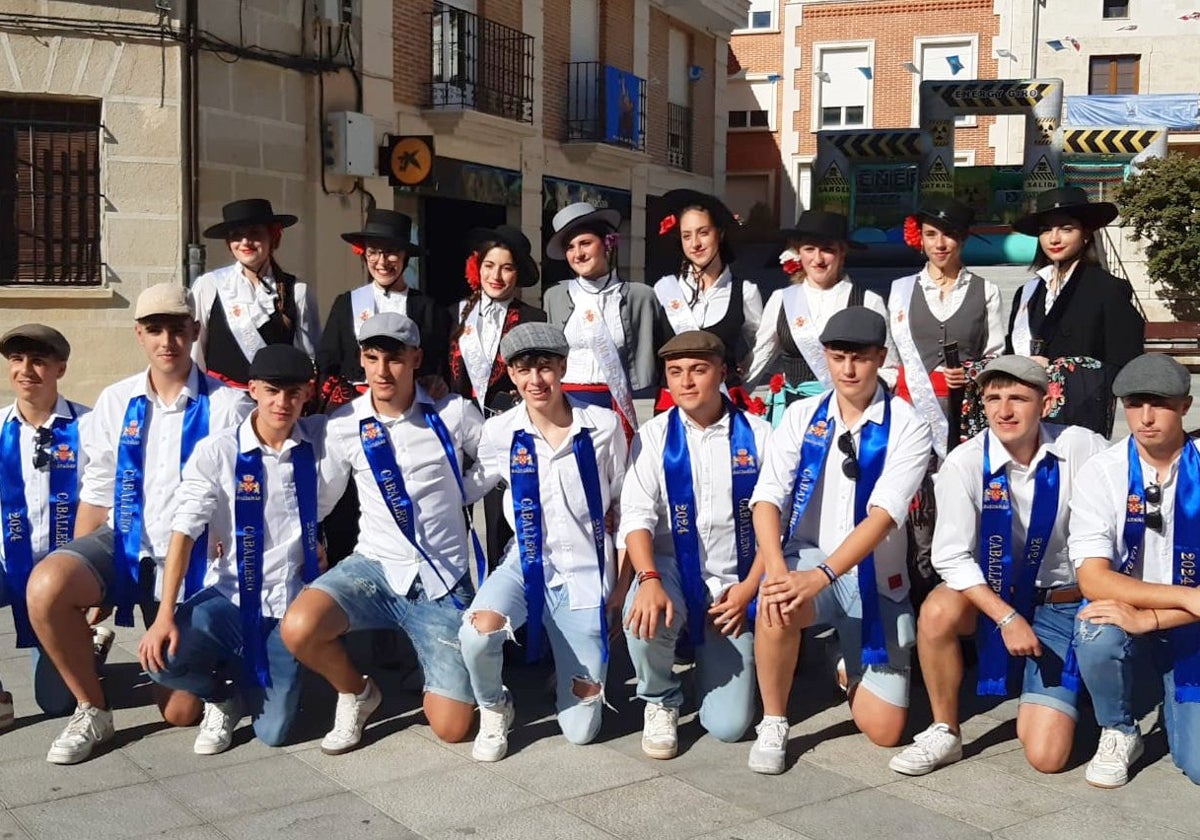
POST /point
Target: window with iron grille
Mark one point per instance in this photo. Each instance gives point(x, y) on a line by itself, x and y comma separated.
point(49, 191)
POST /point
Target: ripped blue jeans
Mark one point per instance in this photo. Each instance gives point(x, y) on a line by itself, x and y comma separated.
point(1111, 662)
point(574, 639)
point(360, 588)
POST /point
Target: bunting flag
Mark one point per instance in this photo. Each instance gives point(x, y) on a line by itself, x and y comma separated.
point(955, 63)
point(1056, 45)
point(867, 72)
point(1190, 16)
point(1128, 28)
point(912, 68)
point(1074, 43)
point(822, 75)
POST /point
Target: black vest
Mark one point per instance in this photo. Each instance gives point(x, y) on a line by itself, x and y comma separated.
point(729, 329)
point(795, 368)
point(222, 354)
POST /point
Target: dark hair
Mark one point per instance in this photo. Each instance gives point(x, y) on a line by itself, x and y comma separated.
point(534, 358)
point(724, 249)
point(479, 251)
point(596, 227)
point(29, 347)
point(1004, 380)
point(851, 346)
point(959, 234)
point(385, 343)
point(1090, 255)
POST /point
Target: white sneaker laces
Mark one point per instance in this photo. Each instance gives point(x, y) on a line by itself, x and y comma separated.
point(79, 726)
point(491, 724)
point(215, 719)
point(772, 735)
point(658, 722)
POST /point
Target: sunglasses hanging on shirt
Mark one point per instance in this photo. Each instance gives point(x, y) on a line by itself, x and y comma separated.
point(1154, 517)
point(41, 448)
point(850, 463)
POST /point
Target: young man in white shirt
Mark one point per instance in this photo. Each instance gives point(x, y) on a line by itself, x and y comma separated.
point(686, 523)
point(39, 489)
point(840, 561)
point(254, 487)
point(1000, 546)
point(409, 570)
point(563, 461)
point(137, 439)
point(1134, 539)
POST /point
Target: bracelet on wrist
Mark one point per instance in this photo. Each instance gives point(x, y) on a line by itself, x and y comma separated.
point(650, 574)
point(1007, 620)
point(1157, 626)
point(829, 573)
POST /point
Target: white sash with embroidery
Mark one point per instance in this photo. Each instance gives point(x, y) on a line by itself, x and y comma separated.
point(592, 329)
point(475, 358)
point(671, 296)
point(240, 317)
point(919, 387)
point(1021, 336)
point(805, 332)
point(362, 306)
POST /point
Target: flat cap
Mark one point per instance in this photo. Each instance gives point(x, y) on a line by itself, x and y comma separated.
point(693, 343)
point(282, 364)
point(1021, 368)
point(391, 325)
point(39, 335)
point(1153, 374)
point(162, 299)
point(856, 325)
point(542, 339)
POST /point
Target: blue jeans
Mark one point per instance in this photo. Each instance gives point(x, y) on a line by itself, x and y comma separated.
point(360, 588)
point(1108, 657)
point(574, 639)
point(725, 679)
point(1053, 624)
point(51, 693)
point(209, 656)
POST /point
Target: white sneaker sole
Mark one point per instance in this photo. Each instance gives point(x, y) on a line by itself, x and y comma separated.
point(211, 749)
point(1113, 785)
point(913, 770)
point(65, 758)
point(662, 753)
point(768, 769)
point(489, 757)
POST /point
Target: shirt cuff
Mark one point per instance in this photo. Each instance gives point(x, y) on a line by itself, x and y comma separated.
point(1082, 550)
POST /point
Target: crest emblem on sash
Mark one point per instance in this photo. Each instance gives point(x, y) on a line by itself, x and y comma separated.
point(996, 492)
point(801, 321)
point(589, 315)
point(248, 485)
point(468, 329)
point(900, 316)
point(819, 429)
point(64, 454)
point(371, 431)
point(236, 309)
point(364, 315)
point(131, 430)
point(521, 458)
point(742, 458)
point(676, 304)
point(1134, 505)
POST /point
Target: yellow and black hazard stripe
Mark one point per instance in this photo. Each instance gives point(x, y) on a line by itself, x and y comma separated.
point(1108, 141)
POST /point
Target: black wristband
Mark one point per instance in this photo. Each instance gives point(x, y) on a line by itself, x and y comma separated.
point(829, 573)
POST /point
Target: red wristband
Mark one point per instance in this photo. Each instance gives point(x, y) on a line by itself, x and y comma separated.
point(649, 575)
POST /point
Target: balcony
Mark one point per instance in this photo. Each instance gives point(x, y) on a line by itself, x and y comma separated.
point(679, 136)
point(481, 76)
point(716, 15)
point(606, 115)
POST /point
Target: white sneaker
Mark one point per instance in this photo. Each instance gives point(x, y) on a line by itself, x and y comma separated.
point(660, 735)
point(87, 728)
point(7, 714)
point(770, 748)
point(1109, 767)
point(936, 747)
point(491, 744)
point(216, 729)
point(350, 718)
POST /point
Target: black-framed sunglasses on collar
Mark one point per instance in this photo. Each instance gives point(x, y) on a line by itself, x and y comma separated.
point(41, 448)
point(850, 462)
point(1154, 517)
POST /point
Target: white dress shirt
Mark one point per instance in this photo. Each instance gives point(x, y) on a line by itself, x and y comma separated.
point(206, 498)
point(492, 313)
point(1098, 516)
point(829, 518)
point(441, 528)
point(390, 299)
point(37, 482)
point(944, 307)
point(959, 491)
point(710, 305)
point(233, 287)
point(604, 296)
point(644, 500)
point(822, 304)
point(161, 442)
point(568, 548)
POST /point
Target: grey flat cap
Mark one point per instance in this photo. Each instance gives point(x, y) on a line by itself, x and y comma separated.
point(1020, 368)
point(38, 335)
point(391, 325)
point(856, 325)
point(542, 339)
point(1153, 374)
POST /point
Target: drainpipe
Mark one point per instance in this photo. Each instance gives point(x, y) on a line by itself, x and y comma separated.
point(190, 145)
point(1033, 58)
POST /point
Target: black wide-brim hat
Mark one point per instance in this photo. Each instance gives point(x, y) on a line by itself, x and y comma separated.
point(676, 201)
point(1069, 201)
point(248, 211)
point(946, 214)
point(516, 242)
point(823, 226)
point(385, 229)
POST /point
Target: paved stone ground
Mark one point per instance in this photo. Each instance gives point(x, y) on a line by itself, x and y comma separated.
point(404, 784)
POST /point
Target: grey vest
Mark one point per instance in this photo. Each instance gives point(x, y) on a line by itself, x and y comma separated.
point(967, 326)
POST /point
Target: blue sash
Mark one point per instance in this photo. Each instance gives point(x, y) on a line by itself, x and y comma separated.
point(251, 536)
point(377, 447)
point(872, 451)
point(129, 497)
point(64, 499)
point(443, 435)
point(681, 497)
point(995, 557)
point(527, 517)
point(1185, 532)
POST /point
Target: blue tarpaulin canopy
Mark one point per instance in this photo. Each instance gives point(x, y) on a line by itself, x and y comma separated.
point(1174, 110)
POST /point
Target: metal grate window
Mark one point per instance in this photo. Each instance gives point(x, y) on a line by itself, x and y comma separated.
point(679, 136)
point(480, 65)
point(49, 192)
point(605, 105)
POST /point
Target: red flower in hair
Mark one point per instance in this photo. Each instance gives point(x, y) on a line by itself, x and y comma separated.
point(756, 406)
point(473, 271)
point(792, 267)
point(777, 383)
point(358, 249)
point(912, 233)
point(667, 224)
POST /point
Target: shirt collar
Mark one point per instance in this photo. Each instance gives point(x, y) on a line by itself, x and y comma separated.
point(190, 388)
point(927, 281)
point(364, 407)
point(832, 290)
point(1047, 271)
point(62, 410)
point(724, 279)
point(605, 285)
point(248, 441)
point(719, 425)
point(999, 457)
point(580, 418)
point(873, 414)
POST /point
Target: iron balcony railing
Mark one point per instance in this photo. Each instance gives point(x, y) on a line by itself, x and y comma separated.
point(679, 136)
point(480, 65)
point(605, 105)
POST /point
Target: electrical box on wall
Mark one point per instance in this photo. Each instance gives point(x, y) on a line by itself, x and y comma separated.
point(351, 144)
point(334, 11)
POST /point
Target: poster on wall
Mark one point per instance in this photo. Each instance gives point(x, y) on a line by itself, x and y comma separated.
point(622, 107)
